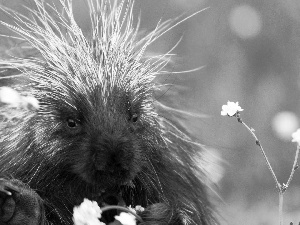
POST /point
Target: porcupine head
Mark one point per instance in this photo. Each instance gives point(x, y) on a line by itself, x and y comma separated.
point(97, 132)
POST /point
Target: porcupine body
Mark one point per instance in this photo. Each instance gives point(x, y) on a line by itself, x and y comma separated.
point(97, 132)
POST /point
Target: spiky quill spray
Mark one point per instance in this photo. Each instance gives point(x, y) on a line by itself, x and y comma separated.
point(97, 133)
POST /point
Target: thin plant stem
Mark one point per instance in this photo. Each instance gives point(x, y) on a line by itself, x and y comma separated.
point(281, 188)
point(109, 207)
point(285, 186)
point(295, 166)
point(280, 207)
point(278, 185)
point(251, 130)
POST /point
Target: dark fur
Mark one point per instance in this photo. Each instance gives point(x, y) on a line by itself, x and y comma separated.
point(120, 147)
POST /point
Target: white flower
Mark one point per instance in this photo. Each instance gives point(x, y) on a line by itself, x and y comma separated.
point(139, 208)
point(131, 209)
point(231, 109)
point(88, 213)
point(296, 136)
point(126, 218)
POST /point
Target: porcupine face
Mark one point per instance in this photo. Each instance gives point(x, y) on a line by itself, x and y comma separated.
point(99, 137)
point(110, 138)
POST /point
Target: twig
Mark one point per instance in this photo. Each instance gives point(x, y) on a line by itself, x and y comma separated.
point(295, 166)
point(281, 188)
point(278, 185)
point(233, 109)
point(251, 130)
point(280, 207)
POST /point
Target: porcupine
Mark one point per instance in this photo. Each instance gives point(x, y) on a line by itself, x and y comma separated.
point(97, 133)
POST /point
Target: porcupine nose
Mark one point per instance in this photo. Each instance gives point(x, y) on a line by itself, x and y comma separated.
point(113, 163)
point(113, 160)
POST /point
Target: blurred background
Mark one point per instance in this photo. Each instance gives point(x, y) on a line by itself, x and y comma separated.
point(250, 53)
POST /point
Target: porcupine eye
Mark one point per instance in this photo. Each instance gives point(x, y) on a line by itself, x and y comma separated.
point(134, 117)
point(72, 123)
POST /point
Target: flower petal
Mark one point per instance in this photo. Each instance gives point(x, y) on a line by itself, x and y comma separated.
point(88, 213)
point(126, 218)
point(296, 136)
point(231, 109)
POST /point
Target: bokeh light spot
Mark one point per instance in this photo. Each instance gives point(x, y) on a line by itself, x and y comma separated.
point(245, 21)
point(284, 124)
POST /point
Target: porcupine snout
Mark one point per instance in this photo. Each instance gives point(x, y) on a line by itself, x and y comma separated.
point(111, 140)
point(113, 156)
